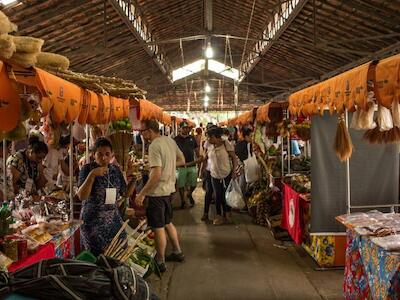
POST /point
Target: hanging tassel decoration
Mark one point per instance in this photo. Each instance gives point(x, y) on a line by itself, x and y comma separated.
point(343, 145)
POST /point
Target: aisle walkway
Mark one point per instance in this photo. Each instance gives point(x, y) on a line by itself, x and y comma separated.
point(239, 262)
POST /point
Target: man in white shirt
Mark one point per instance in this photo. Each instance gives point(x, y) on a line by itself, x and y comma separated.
point(164, 156)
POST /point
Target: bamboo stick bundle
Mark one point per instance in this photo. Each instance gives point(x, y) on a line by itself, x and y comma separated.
point(116, 237)
point(129, 250)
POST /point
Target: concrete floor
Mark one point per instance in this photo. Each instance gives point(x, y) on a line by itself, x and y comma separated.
point(240, 261)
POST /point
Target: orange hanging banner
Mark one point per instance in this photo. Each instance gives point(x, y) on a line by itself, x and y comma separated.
point(94, 108)
point(63, 94)
point(104, 115)
point(117, 108)
point(262, 113)
point(10, 107)
point(150, 111)
point(85, 107)
point(387, 81)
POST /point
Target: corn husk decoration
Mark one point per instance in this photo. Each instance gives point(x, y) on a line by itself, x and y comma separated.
point(364, 119)
point(7, 46)
point(47, 60)
point(343, 145)
point(396, 113)
point(384, 118)
point(5, 25)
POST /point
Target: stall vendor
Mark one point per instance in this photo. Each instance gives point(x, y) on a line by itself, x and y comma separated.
point(100, 183)
point(26, 169)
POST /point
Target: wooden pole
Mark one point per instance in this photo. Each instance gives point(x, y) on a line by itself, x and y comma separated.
point(71, 173)
point(5, 179)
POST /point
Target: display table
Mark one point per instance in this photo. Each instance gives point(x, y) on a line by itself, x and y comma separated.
point(61, 246)
point(370, 271)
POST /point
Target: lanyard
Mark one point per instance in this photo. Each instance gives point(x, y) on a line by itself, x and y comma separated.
point(32, 171)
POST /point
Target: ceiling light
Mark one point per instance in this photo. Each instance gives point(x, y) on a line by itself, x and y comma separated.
point(205, 104)
point(209, 52)
point(7, 2)
point(206, 99)
point(207, 88)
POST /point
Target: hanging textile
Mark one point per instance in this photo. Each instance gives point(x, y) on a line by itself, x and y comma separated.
point(291, 214)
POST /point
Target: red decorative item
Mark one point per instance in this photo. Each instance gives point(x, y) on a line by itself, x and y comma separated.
point(44, 252)
point(291, 214)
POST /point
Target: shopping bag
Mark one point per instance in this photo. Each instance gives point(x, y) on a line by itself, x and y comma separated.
point(251, 167)
point(234, 196)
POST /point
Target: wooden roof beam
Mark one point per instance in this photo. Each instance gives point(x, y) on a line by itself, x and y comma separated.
point(126, 10)
point(273, 30)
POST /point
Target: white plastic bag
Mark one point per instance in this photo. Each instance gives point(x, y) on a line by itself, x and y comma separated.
point(234, 196)
point(251, 167)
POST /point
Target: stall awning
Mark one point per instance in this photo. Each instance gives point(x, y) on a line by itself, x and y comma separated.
point(343, 91)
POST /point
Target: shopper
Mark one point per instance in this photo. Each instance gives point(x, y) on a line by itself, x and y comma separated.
point(242, 152)
point(99, 185)
point(54, 161)
point(207, 183)
point(187, 174)
point(164, 157)
point(223, 165)
point(26, 169)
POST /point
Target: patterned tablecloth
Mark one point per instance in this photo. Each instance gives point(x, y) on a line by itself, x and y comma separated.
point(370, 271)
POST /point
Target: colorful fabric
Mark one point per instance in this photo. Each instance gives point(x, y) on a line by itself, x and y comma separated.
point(291, 214)
point(370, 272)
point(101, 221)
point(355, 284)
point(322, 249)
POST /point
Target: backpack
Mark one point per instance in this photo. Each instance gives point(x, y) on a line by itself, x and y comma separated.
point(75, 280)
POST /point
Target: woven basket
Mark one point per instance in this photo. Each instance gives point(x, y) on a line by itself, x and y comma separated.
point(51, 60)
point(5, 25)
point(7, 46)
point(27, 44)
point(25, 60)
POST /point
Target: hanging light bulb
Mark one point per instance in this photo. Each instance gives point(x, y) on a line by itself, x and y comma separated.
point(207, 88)
point(206, 99)
point(209, 51)
point(205, 104)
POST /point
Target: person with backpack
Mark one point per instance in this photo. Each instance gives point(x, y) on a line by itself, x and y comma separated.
point(223, 164)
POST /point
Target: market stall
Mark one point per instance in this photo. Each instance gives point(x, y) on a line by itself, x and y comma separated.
point(364, 100)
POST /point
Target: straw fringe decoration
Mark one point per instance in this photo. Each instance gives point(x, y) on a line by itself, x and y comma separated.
point(343, 145)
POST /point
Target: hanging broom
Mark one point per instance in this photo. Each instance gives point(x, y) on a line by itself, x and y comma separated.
point(343, 145)
point(25, 60)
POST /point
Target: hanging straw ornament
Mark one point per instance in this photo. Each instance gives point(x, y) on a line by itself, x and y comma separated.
point(343, 145)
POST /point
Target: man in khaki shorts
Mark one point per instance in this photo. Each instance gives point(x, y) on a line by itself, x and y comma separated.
point(187, 174)
point(164, 156)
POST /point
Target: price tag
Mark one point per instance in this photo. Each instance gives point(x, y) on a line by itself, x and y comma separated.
point(111, 195)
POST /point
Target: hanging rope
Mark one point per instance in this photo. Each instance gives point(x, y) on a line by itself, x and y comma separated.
point(247, 35)
point(183, 64)
point(190, 92)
